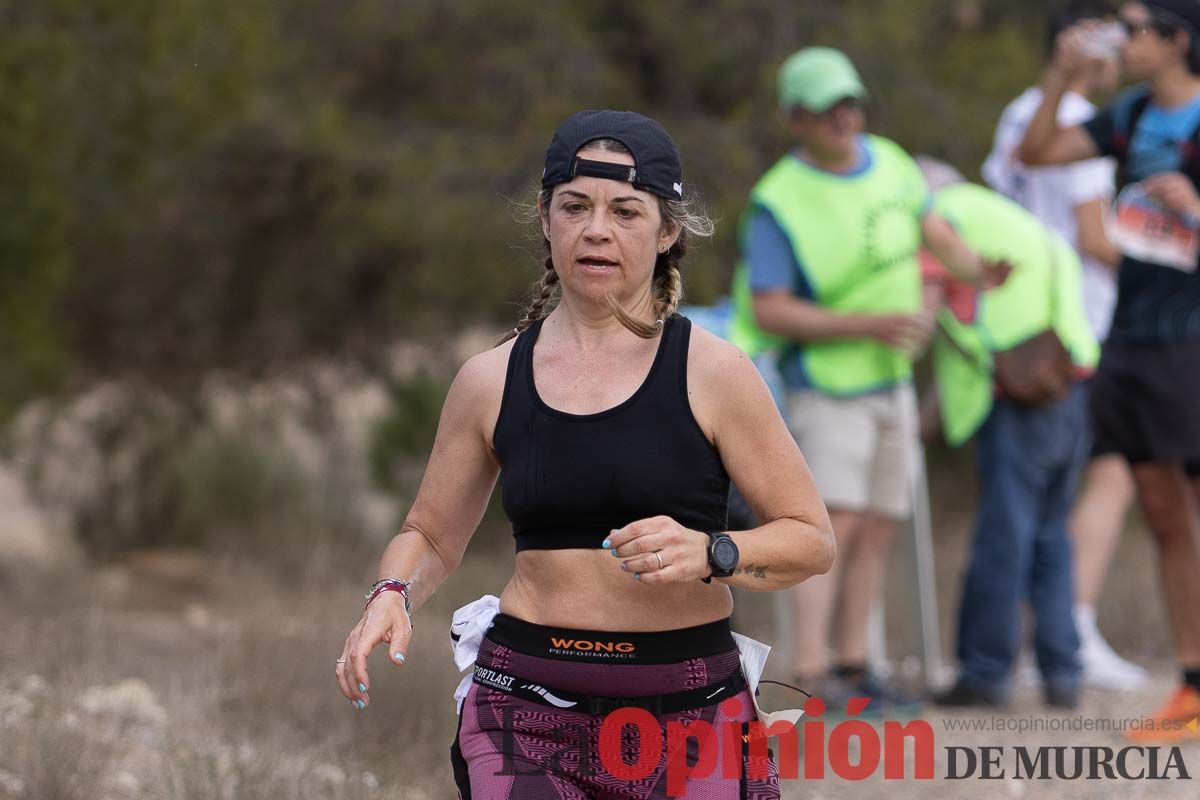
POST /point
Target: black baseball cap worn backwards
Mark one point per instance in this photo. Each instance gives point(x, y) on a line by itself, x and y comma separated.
point(656, 168)
point(1187, 11)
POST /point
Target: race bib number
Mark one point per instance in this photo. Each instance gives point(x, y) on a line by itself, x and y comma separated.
point(1142, 228)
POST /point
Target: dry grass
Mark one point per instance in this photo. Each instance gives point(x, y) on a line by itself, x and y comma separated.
point(243, 667)
point(241, 662)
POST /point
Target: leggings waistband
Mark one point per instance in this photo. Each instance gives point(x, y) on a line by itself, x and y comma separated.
point(613, 647)
point(599, 705)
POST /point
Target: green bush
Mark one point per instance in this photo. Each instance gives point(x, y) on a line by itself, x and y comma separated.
point(226, 482)
point(240, 184)
point(406, 434)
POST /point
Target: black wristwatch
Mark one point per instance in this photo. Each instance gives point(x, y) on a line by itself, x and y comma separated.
point(722, 556)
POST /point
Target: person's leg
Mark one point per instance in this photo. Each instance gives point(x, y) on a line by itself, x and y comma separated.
point(1149, 413)
point(861, 590)
point(761, 771)
point(1097, 520)
point(860, 587)
point(1065, 437)
point(1169, 504)
point(498, 755)
point(837, 439)
point(989, 617)
point(889, 499)
point(813, 599)
point(1096, 525)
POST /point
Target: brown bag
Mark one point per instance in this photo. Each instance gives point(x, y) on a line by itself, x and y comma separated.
point(1037, 372)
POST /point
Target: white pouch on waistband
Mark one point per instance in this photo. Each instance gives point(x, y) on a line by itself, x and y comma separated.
point(753, 655)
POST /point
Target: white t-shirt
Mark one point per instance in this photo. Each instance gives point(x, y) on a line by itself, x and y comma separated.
point(1052, 193)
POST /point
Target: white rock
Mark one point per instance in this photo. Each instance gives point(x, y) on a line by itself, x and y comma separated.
point(329, 773)
point(131, 698)
point(31, 539)
point(127, 781)
point(14, 708)
point(197, 616)
point(11, 783)
point(34, 686)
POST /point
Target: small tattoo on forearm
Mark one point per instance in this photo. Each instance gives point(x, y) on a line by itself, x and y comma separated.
point(758, 570)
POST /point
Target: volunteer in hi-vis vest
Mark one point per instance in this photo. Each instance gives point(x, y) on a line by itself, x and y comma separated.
point(829, 278)
point(1029, 458)
point(1036, 296)
point(1144, 392)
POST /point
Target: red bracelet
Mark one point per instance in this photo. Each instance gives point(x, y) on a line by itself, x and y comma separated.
point(390, 585)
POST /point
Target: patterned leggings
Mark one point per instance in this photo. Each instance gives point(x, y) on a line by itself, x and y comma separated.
point(511, 747)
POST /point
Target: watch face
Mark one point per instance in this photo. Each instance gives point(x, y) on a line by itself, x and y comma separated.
point(724, 553)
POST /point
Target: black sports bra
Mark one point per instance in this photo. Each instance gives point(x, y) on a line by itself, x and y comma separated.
point(568, 479)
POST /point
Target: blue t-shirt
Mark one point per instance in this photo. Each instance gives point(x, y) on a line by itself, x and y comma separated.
point(772, 264)
point(1155, 304)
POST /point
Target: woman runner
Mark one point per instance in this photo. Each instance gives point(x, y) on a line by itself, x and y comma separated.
point(615, 429)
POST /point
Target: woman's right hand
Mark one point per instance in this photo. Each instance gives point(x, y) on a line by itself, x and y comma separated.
point(383, 620)
point(1071, 49)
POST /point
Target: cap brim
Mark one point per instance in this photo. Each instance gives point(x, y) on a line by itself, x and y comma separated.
point(823, 98)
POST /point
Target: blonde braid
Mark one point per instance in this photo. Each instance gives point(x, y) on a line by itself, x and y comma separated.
point(534, 311)
point(668, 293)
point(669, 290)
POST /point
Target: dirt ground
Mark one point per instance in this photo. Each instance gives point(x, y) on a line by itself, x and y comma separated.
point(180, 676)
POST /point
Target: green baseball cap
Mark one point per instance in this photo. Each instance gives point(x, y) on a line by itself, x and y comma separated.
point(817, 77)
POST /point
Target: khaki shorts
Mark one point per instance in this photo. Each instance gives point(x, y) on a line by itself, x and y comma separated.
point(859, 448)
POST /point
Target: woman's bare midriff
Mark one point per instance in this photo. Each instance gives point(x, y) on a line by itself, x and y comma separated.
point(586, 589)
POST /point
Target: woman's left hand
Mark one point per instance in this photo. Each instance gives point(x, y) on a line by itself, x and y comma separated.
point(643, 545)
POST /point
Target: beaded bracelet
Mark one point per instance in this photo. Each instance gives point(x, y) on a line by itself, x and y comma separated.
point(390, 585)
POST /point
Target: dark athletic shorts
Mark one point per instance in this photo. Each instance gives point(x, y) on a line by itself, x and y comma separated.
point(510, 747)
point(1145, 401)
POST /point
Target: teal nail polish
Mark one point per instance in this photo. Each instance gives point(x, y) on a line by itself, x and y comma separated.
point(399, 657)
point(359, 704)
point(613, 551)
point(362, 687)
point(637, 576)
point(606, 544)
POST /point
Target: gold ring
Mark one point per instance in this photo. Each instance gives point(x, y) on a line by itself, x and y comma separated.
point(656, 555)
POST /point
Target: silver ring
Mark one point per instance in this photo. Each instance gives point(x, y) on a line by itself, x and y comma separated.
point(656, 555)
point(340, 661)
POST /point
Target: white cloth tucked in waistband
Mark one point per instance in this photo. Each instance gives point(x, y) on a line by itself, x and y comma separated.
point(753, 655)
point(467, 630)
point(471, 622)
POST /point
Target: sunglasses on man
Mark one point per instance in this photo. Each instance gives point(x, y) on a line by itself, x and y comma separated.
point(1164, 23)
